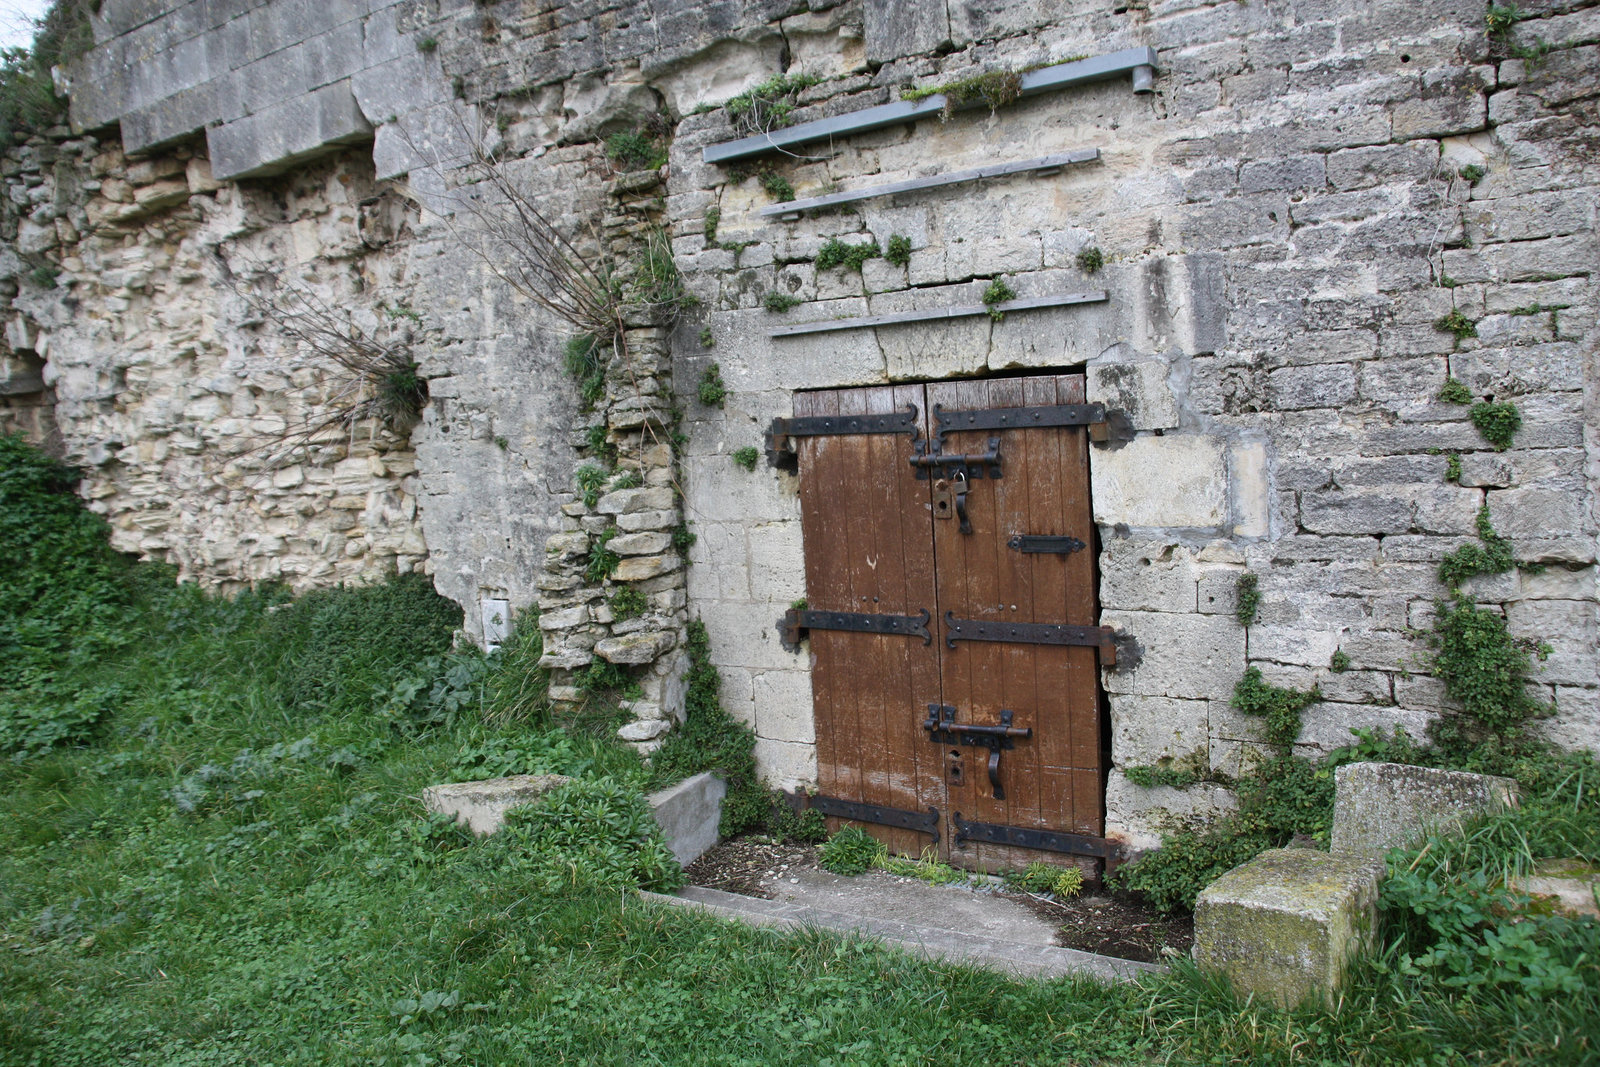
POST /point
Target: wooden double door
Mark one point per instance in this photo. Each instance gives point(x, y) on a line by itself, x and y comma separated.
point(950, 612)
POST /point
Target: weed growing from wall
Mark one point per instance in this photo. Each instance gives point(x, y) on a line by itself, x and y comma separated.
point(899, 251)
point(996, 88)
point(591, 482)
point(769, 105)
point(1491, 556)
point(1090, 260)
point(603, 562)
point(746, 457)
point(777, 186)
point(1247, 598)
point(712, 391)
point(1455, 392)
point(997, 293)
point(1497, 422)
point(837, 253)
point(635, 150)
point(1457, 324)
point(779, 302)
point(584, 359)
point(710, 739)
point(628, 603)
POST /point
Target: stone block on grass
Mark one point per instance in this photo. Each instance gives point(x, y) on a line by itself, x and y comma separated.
point(1285, 926)
point(1379, 806)
point(482, 806)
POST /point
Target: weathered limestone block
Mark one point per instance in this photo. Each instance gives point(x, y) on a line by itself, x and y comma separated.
point(633, 501)
point(634, 648)
point(482, 806)
point(1571, 886)
point(689, 814)
point(1285, 926)
point(1379, 806)
point(640, 544)
point(1173, 481)
point(636, 568)
point(1138, 389)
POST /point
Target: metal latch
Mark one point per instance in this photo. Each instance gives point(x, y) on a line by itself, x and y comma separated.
point(944, 730)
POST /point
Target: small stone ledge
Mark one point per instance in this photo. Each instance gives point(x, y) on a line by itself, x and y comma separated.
point(1285, 926)
point(482, 806)
point(1379, 806)
point(688, 813)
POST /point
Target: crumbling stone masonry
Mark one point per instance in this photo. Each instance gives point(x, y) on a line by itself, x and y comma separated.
point(1320, 212)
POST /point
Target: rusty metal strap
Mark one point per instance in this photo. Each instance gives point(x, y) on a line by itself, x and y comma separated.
point(1031, 633)
point(1023, 837)
point(796, 623)
point(1103, 425)
point(922, 822)
point(780, 455)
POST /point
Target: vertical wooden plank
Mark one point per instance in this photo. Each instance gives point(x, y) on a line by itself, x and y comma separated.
point(821, 530)
point(868, 549)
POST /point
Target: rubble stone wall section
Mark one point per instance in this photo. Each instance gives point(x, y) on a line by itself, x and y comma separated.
point(153, 371)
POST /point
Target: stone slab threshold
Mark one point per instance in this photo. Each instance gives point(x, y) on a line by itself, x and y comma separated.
point(930, 942)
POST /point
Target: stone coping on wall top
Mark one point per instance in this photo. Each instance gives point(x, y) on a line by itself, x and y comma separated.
point(1040, 166)
point(1140, 62)
point(1090, 296)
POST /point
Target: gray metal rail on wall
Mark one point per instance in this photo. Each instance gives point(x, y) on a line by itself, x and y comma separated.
point(1093, 296)
point(792, 209)
point(1140, 62)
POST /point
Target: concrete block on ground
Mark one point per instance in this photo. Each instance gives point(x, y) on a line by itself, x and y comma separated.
point(1379, 806)
point(1285, 926)
point(482, 806)
point(1571, 887)
point(689, 814)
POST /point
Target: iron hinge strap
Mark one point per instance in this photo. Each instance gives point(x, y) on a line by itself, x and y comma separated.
point(1104, 426)
point(1045, 543)
point(1031, 633)
point(779, 454)
point(1045, 840)
point(922, 822)
point(797, 623)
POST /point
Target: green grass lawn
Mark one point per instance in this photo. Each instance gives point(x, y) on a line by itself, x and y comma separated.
point(212, 851)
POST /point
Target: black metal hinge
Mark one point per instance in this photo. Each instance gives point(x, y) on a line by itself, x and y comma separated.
point(922, 822)
point(780, 455)
point(796, 623)
point(1045, 840)
point(1103, 425)
point(1045, 543)
point(1031, 633)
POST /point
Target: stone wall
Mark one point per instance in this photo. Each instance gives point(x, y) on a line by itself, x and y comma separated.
point(159, 376)
point(1284, 220)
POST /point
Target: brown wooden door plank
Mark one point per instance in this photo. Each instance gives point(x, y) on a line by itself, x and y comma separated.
point(868, 549)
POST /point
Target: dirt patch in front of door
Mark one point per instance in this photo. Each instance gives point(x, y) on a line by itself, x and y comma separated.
point(1102, 922)
point(750, 868)
point(1114, 924)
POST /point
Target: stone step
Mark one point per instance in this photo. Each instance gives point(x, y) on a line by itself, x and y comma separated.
point(930, 942)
